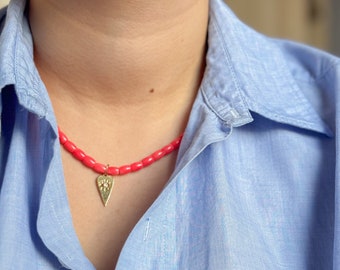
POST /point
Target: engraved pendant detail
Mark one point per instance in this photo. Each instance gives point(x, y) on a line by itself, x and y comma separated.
point(105, 184)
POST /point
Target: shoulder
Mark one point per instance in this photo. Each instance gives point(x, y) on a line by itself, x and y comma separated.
point(317, 75)
point(308, 63)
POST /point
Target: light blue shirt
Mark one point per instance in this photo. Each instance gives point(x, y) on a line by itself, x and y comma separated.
point(256, 185)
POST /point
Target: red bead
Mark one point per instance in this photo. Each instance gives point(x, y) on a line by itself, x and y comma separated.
point(99, 168)
point(69, 146)
point(137, 166)
point(113, 171)
point(124, 169)
point(79, 154)
point(148, 161)
point(168, 149)
point(62, 138)
point(89, 162)
point(158, 154)
point(176, 142)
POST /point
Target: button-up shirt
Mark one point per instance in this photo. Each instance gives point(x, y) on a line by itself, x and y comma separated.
point(256, 184)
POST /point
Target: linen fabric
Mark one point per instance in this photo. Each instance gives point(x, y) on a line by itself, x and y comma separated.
point(256, 184)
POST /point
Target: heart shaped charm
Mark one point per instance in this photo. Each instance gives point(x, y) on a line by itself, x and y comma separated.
point(105, 184)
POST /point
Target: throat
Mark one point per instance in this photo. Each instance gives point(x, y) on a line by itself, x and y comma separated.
point(115, 59)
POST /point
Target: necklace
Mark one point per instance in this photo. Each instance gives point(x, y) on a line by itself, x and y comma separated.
point(105, 181)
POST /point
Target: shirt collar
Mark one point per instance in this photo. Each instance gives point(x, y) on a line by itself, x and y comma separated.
point(247, 71)
point(16, 62)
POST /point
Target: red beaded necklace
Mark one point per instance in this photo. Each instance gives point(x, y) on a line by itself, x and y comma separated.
point(105, 181)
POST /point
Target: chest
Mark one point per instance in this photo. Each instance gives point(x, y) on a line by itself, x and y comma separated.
point(103, 230)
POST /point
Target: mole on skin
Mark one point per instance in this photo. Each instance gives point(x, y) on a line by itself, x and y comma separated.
point(151, 90)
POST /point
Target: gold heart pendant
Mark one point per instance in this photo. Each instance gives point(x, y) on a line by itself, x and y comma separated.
point(105, 184)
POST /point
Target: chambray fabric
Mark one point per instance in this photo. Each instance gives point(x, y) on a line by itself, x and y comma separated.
point(256, 185)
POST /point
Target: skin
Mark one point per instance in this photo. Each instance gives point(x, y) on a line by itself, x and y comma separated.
point(122, 77)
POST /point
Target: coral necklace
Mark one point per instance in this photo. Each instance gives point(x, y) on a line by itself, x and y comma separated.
point(105, 181)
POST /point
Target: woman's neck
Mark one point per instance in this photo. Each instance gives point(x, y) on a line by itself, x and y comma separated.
point(120, 52)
